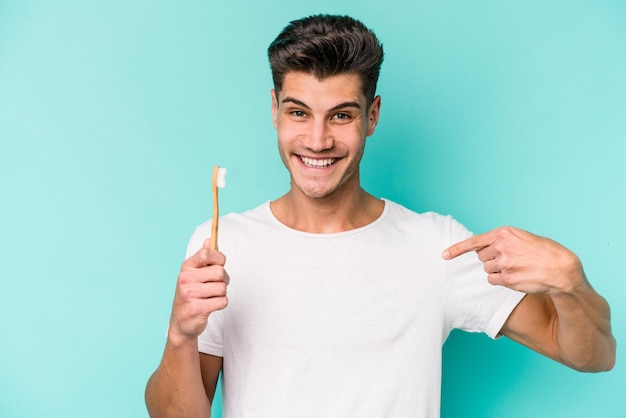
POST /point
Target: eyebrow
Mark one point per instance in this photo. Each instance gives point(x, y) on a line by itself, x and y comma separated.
point(343, 105)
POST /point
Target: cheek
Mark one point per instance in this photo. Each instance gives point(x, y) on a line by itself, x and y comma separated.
point(289, 132)
point(283, 148)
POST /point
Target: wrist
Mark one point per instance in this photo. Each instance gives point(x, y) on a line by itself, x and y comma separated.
point(177, 338)
point(573, 280)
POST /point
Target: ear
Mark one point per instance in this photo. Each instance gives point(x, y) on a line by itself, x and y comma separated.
point(373, 113)
point(274, 109)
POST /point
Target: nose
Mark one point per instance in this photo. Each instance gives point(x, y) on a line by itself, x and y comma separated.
point(321, 138)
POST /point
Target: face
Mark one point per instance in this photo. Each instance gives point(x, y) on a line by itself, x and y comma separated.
point(322, 126)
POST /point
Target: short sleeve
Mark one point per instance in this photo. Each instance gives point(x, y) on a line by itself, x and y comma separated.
point(472, 303)
point(211, 341)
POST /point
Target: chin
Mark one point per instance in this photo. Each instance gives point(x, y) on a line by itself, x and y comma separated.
point(315, 193)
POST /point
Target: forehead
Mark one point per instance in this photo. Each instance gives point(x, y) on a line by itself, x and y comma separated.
point(336, 88)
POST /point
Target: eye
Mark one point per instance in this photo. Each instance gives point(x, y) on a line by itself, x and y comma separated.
point(297, 113)
point(342, 117)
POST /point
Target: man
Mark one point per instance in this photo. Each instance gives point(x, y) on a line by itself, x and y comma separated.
point(340, 302)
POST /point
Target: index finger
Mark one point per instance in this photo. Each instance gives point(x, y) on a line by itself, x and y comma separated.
point(473, 243)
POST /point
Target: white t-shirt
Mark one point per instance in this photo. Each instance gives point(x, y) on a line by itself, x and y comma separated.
point(349, 324)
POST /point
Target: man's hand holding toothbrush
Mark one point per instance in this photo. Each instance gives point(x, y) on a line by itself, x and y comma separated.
point(200, 290)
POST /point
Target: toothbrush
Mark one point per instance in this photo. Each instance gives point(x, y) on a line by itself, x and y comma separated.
point(219, 182)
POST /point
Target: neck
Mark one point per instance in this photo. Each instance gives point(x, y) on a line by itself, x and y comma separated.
point(330, 214)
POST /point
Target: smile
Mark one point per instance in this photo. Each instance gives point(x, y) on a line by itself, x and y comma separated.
point(317, 163)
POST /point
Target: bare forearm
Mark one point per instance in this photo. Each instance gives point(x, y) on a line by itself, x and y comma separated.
point(583, 329)
point(184, 385)
point(176, 388)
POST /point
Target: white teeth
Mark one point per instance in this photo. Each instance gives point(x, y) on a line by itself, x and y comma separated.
point(317, 163)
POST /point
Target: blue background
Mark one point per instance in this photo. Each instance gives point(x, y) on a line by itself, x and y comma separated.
point(112, 114)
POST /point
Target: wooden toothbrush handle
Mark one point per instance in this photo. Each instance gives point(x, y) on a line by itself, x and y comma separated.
point(216, 212)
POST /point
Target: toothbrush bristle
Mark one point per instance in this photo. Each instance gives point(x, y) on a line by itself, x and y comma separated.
point(220, 178)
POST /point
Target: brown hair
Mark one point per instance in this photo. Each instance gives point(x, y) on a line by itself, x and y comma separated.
point(327, 45)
